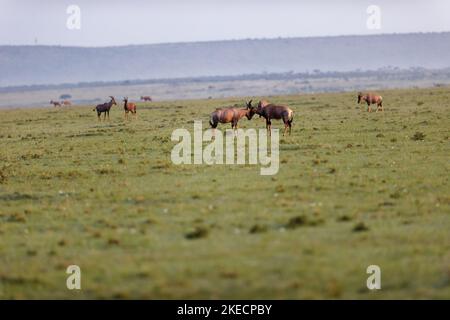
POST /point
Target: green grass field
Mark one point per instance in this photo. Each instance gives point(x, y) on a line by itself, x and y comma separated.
point(354, 189)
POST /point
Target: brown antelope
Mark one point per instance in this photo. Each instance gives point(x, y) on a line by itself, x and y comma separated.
point(370, 99)
point(104, 108)
point(66, 103)
point(271, 111)
point(231, 114)
point(129, 107)
point(55, 103)
point(146, 98)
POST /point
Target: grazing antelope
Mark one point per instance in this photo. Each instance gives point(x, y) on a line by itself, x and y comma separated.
point(55, 103)
point(370, 99)
point(66, 103)
point(129, 107)
point(271, 111)
point(104, 108)
point(146, 98)
point(231, 114)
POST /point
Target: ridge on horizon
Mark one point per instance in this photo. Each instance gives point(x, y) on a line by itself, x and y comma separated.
point(40, 64)
point(229, 40)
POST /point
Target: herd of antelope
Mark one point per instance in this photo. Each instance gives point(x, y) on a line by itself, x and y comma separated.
point(269, 111)
point(129, 107)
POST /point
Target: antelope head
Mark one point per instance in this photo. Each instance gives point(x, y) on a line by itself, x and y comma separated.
point(251, 110)
point(113, 101)
point(359, 97)
point(261, 105)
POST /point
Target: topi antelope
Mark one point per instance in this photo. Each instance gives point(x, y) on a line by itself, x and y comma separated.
point(129, 107)
point(271, 111)
point(146, 98)
point(104, 108)
point(55, 103)
point(231, 114)
point(370, 99)
point(66, 103)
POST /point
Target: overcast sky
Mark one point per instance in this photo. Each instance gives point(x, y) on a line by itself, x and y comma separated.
point(114, 22)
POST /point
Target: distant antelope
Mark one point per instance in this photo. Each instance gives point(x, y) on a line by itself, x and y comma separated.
point(370, 99)
point(66, 103)
point(129, 107)
point(271, 111)
point(104, 108)
point(146, 98)
point(231, 114)
point(55, 103)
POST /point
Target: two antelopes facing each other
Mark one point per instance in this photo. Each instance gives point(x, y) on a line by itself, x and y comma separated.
point(370, 99)
point(62, 103)
point(267, 110)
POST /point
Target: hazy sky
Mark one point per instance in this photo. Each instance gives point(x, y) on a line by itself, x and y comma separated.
point(114, 22)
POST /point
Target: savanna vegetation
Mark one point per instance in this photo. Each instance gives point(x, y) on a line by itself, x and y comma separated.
point(354, 189)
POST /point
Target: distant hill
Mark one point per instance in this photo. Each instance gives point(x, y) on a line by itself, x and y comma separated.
point(25, 65)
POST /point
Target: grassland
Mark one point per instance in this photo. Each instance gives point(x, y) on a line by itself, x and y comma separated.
point(354, 189)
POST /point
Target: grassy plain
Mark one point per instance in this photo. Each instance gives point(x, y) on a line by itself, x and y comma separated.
point(354, 189)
